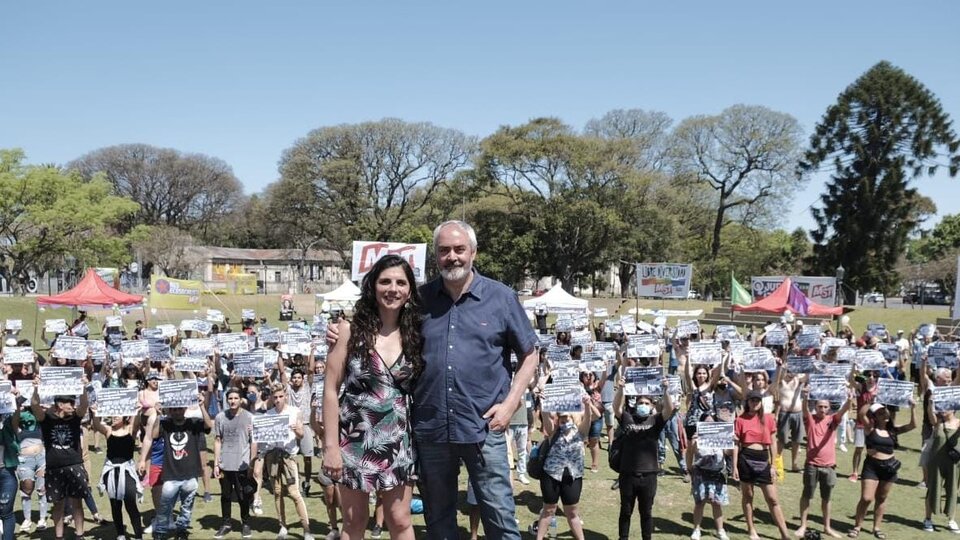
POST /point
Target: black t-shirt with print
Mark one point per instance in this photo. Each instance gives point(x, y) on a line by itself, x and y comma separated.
point(640, 442)
point(61, 440)
point(182, 445)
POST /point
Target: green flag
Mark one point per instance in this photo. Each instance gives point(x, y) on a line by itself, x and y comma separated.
point(738, 295)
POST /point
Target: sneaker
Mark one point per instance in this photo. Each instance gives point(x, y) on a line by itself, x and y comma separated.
point(615, 485)
point(686, 478)
point(922, 485)
point(524, 480)
point(257, 508)
point(305, 488)
point(843, 447)
point(42, 524)
point(148, 529)
point(25, 526)
point(695, 535)
point(334, 535)
point(377, 532)
point(952, 525)
point(853, 477)
point(928, 525)
point(307, 536)
point(245, 532)
point(282, 535)
point(722, 535)
point(222, 532)
point(207, 497)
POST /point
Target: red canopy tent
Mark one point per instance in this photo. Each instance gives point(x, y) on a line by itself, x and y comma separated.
point(91, 292)
point(789, 297)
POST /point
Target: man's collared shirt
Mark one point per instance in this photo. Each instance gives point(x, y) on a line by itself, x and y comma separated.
point(466, 351)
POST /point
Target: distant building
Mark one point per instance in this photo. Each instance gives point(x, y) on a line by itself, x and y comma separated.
point(272, 270)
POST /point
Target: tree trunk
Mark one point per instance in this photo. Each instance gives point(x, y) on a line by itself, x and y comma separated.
point(626, 274)
point(718, 226)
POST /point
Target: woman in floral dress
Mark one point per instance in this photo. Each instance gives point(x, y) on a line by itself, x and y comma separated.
point(376, 359)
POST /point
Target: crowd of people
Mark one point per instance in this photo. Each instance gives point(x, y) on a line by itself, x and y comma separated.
point(421, 382)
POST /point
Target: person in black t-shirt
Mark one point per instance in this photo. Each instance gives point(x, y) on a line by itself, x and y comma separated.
point(66, 478)
point(640, 427)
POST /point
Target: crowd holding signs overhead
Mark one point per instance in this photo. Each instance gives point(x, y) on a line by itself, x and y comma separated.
point(415, 386)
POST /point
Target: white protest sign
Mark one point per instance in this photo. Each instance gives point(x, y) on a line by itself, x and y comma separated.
point(557, 353)
point(215, 316)
point(736, 349)
point(829, 387)
point(193, 364)
point(135, 350)
point(117, 402)
point(113, 321)
point(167, 330)
point(705, 353)
point(70, 347)
point(847, 355)
point(715, 435)
point(177, 393)
point(366, 254)
point(295, 343)
point(943, 355)
point(890, 351)
point(757, 359)
point(628, 324)
point(643, 381)
point(270, 428)
point(894, 392)
point(198, 346)
point(18, 355)
point(61, 381)
point(55, 326)
point(267, 335)
point(834, 343)
point(641, 346)
point(563, 325)
point(567, 370)
point(97, 350)
point(803, 364)
point(870, 360)
point(248, 315)
point(270, 358)
point(249, 364)
point(562, 397)
point(727, 332)
point(809, 339)
point(7, 403)
point(13, 325)
point(593, 362)
point(581, 337)
point(232, 343)
point(820, 289)
point(158, 350)
point(196, 325)
point(26, 389)
point(664, 280)
point(946, 398)
point(686, 328)
point(775, 338)
point(600, 313)
point(674, 387)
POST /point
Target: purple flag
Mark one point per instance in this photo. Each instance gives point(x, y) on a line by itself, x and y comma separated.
point(797, 301)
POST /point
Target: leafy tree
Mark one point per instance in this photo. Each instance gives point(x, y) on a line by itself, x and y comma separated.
point(647, 131)
point(747, 155)
point(189, 191)
point(166, 248)
point(885, 130)
point(47, 214)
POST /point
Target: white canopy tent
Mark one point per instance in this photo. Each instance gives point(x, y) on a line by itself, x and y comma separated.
point(557, 300)
point(343, 296)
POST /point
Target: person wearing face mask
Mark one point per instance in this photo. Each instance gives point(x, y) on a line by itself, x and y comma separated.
point(640, 429)
point(562, 479)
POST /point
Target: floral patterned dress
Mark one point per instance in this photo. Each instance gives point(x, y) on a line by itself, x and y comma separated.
point(374, 424)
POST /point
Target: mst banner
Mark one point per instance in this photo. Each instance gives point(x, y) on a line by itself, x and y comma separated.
point(820, 289)
point(365, 254)
point(664, 280)
point(169, 293)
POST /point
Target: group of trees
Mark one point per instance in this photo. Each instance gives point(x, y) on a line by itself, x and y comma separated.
point(548, 198)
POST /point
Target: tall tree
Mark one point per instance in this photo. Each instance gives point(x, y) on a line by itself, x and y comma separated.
point(747, 154)
point(885, 130)
point(47, 214)
point(647, 131)
point(188, 191)
point(368, 180)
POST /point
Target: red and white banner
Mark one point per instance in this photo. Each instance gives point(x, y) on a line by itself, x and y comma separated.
point(366, 254)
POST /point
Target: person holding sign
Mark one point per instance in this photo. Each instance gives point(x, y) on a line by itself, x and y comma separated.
point(821, 464)
point(640, 427)
point(866, 385)
point(702, 380)
point(942, 464)
point(880, 466)
point(754, 451)
point(377, 356)
point(709, 482)
point(562, 479)
point(280, 472)
point(66, 478)
point(119, 478)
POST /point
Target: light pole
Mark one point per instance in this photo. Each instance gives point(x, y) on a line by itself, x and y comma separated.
point(840, 272)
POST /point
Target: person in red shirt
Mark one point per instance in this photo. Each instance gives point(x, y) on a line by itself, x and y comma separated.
point(754, 449)
point(821, 465)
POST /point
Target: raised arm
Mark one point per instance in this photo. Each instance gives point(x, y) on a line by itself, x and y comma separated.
point(668, 405)
point(97, 424)
point(35, 406)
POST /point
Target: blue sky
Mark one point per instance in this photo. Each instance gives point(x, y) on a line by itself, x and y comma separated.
point(242, 80)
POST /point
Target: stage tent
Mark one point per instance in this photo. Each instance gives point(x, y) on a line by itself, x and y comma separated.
point(91, 292)
point(789, 297)
point(557, 300)
point(344, 296)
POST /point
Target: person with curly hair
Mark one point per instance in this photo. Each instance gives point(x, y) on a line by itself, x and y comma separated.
point(376, 359)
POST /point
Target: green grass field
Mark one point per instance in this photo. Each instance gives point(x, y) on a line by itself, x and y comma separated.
point(600, 505)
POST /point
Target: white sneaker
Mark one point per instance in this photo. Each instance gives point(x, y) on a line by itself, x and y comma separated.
point(282, 535)
point(722, 535)
point(42, 524)
point(922, 485)
point(954, 528)
point(149, 529)
point(843, 447)
point(257, 508)
point(333, 535)
point(307, 536)
point(523, 479)
point(695, 535)
point(26, 525)
point(928, 525)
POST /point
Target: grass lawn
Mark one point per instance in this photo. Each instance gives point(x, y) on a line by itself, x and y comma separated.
point(600, 505)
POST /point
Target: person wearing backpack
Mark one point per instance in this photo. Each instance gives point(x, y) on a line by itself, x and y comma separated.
point(640, 427)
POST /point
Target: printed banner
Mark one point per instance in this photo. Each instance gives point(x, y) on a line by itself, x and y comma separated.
point(688, 328)
point(55, 326)
point(870, 360)
point(135, 350)
point(643, 381)
point(894, 392)
point(70, 347)
point(715, 435)
point(97, 350)
point(158, 350)
point(366, 254)
point(946, 398)
point(249, 364)
point(193, 364)
point(820, 289)
point(562, 397)
point(271, 428)
point(7, 403)
point(803, 364)
point(26, 389)
point(943, 354)
point(809, 339)
point(705, 353)
point(643, 347)
point(776, 337)
point(176, 393)
point(828, 387)
point(295, 343)
point(202, 347)
point(232, 343)
point(758, 359)
point(117, 402)
point(61, 381)
point(196, 325)
point(18, 355)
point(840, 370)
point(663, 280)
point(169, 293)
point(113, 321)
point(13, 325)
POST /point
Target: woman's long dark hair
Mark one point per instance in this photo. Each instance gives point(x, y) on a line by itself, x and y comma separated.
point(366, 316)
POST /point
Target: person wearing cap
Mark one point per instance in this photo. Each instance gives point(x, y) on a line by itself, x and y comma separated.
point(880, 466)
point(821, 463)
point(755, 447)
point(65, 477)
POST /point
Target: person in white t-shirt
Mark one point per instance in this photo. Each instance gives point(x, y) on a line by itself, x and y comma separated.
point(280, 473)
